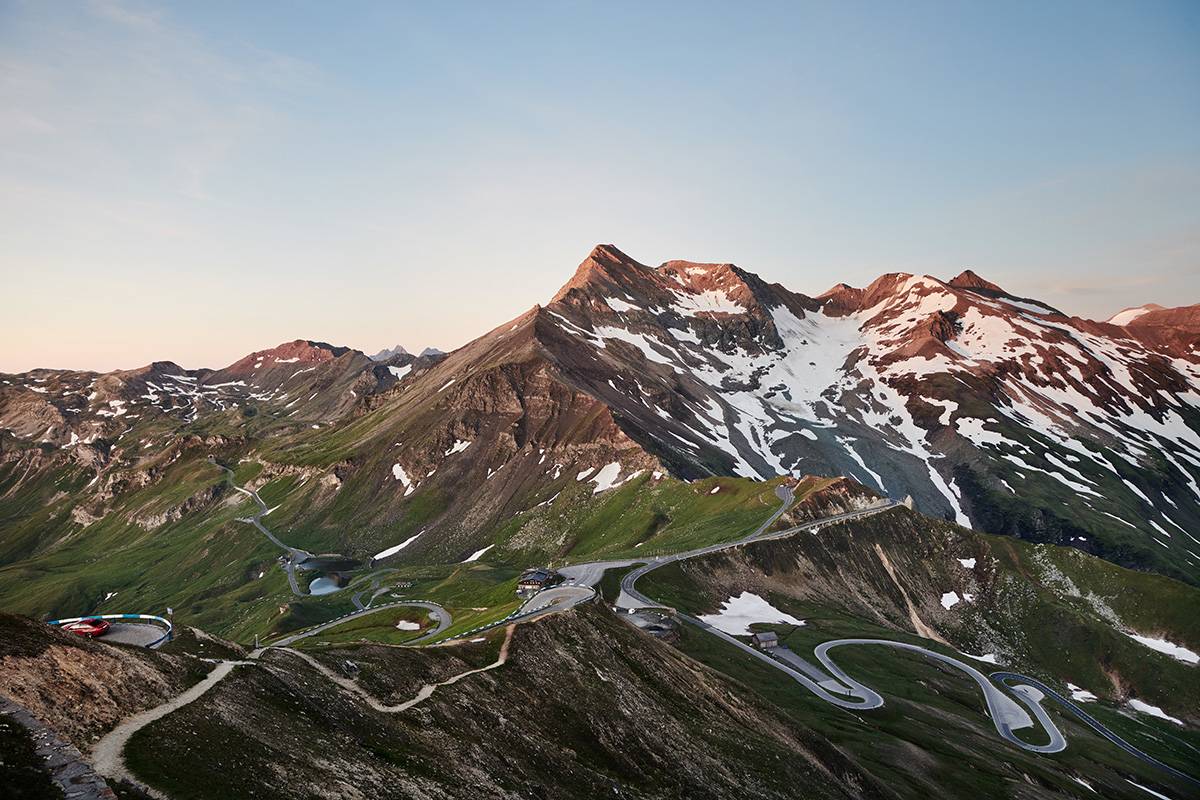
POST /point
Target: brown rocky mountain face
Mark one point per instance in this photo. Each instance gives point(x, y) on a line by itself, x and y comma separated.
point(989, 409)
point(1174, 330)
point(307, 381)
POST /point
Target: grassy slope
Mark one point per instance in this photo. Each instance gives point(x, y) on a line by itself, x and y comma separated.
point(639, 519)
point(207, 565)
point(933, 723)
point(1044, 607)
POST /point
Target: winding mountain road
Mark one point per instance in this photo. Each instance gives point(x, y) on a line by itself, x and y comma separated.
point(828, 681)
point(107, 755)
point(376, 578)
point(294, 554)
point(1087, 719)
point(436, 612)
point(833, 685)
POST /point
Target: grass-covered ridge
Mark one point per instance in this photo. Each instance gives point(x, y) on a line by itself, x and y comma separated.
point(1047, 611)
point(170, 537)
point(1050, 612)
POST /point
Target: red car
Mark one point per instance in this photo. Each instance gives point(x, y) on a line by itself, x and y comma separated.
point(89, 628)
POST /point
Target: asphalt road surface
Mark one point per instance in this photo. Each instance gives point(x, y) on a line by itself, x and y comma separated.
point(630, 598)
point(294, 555)
point(135, 633)
point(1087, 719)
point(1006, 715)
point(375, 589)
point(436, 612)
point(558, 598)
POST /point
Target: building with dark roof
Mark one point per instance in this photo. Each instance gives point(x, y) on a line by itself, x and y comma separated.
point(534, 580)
point(765, 640)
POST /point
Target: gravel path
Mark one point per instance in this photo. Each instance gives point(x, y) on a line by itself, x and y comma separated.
point(107, 754)
point(422, 695)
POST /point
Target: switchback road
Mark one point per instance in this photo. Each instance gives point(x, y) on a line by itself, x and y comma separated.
point(294, 555)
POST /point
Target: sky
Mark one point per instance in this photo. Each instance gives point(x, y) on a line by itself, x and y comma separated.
point(196, 181)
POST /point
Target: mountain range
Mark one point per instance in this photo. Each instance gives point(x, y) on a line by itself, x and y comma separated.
point(927, 474)
point(992, 410)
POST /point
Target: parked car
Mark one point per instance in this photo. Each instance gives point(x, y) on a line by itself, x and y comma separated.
point(88, 628)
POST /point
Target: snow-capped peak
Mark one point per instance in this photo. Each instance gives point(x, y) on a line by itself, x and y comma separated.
point(1128, 315)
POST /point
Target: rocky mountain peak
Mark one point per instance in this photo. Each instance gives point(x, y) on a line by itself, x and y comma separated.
point(882, 292)
point(967, 279)
point(298, 351)
point(605, 266)
point(1174, 330)
point(390, 352)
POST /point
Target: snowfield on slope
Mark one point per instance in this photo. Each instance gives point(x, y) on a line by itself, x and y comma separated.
point(1069, 404)
point(391, 551)
point(737, 614)
point(1175, 651)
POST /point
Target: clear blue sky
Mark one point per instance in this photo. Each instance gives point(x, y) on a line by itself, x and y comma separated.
point(200, 180)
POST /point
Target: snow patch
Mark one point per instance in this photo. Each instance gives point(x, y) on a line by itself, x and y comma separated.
point(606, 478)
point(477, 554)
point(1127, 316)
point(713, 300)
point(1081, 695)
point(1154, 711)
point(1146, 789)
point(1175, 651)
point(619, 305)
point(737, 614)
point(398, 547)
